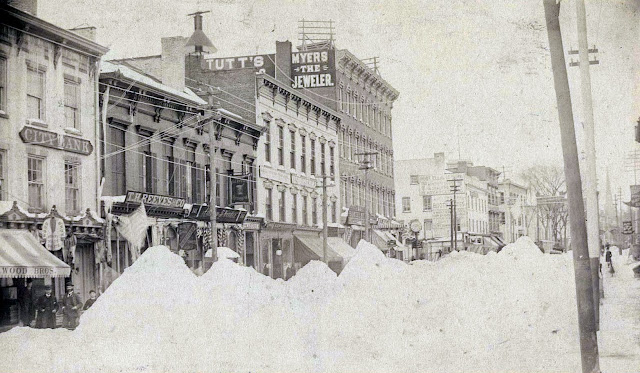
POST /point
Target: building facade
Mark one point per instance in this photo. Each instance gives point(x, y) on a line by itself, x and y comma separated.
point(48, 159)
point(513, 199)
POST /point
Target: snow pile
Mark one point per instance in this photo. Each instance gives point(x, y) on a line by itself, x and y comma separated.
point(511, 311)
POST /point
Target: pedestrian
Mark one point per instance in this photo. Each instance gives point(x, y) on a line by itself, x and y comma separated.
point(607, 257)
point(70, 308)
point(47, 306)
point(25, 300)
point(90, 301)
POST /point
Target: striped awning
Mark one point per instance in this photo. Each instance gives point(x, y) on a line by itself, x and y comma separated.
point(21, 255)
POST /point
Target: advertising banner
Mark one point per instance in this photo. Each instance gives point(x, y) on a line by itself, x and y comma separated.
point(313, 69)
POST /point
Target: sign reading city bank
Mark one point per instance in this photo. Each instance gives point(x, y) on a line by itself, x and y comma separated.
point(313, 69)
point(37, 136)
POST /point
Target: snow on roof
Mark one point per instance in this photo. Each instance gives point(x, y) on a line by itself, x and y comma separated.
point(129, 73)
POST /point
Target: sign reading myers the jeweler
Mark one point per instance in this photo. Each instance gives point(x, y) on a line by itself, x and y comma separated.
point(313, 69)
point(155, 200)
point(37, 136)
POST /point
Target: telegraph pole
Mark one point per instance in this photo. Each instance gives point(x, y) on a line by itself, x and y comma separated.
point(591, 179)
point(582, 265)
point(325, 219)
point(366, 165)
point(450, 205)
point(213, 236)
point(455, 188)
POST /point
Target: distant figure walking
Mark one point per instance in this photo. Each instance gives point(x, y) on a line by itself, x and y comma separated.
point(25, 300)
point(71, 309)
point(607, 257)
point(47, 306)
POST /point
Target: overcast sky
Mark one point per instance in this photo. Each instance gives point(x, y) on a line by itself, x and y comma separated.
point(474, 76)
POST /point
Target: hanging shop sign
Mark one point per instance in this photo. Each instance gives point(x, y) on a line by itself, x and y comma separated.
point(48, 139)
point(227, 215)
point(187, 236)
point(263, 64)
point(627, 227)
point(355, 216)
point(239, 189)
point(154, 200)
point(313, 69)
point(635, 196)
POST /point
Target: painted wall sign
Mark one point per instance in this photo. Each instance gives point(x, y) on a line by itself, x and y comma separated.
point(273, 174)
point(263, 64)
point(313, 69)
point(48, 139)
point(303, 181)
point(155, 200)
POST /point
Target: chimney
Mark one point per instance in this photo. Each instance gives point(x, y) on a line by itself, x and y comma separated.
point(88, 32)
point(172, 61)
point(199, 42)
point(283, 62)
point(28, 6)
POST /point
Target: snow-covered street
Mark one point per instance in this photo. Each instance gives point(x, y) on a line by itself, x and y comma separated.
point(508, 312)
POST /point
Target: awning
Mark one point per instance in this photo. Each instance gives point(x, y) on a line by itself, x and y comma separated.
point(309, 247)
point(21, 255)
point(342, 248)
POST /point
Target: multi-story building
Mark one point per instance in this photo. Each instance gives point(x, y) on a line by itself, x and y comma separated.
point(158, 144)
point(425, 194)
point(48, 161)
point(513, 199)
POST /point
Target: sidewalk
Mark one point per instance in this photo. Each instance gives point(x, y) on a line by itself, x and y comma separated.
point(619, 336)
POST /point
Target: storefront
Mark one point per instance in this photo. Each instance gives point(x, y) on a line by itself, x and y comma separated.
point(276, 251)
point(309, 246)
point(23, 259)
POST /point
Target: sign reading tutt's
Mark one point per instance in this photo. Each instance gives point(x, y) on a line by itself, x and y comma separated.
point(37, 136)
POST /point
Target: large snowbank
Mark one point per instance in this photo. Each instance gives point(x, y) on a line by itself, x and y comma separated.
point(512, 311)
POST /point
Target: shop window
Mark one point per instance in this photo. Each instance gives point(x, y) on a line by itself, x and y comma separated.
point(72, 186)
point(35, 179)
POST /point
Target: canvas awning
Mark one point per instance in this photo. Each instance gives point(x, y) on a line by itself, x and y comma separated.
point(309, 247)
point(21, 255)
point(342, 248)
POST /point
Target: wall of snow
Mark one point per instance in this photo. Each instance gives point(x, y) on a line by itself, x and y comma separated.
point(512, 311)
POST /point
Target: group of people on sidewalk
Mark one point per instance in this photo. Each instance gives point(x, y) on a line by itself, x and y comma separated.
point(45, 308)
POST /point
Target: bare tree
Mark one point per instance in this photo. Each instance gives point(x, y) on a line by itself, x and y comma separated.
point(549, 181)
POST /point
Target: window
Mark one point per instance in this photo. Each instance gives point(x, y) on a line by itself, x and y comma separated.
point(118, 163)
point(3, 84)
point(280, 146)
point(332, 163)
point(292, 151)
point(428, 226)
point(413, 179)
point(148, 172)
point(294, 209)
point(323, 162)
point(35, 178)
point(305, 218)
point(314, 210)
point(71, 104)
point(281, 205)
point(313, 157)
point(334, 211)
point(267, 142)
point(169, 169)
point(218, 187)
point(35, 94)
point(426, 203)
point(71, 187)
point(406, 204)
point(269, 204)
point(3, 176)
point(341, 97)
point(303, 154)
point(348, 101)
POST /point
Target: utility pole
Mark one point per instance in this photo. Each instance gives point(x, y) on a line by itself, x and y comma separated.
point(213, 236)
point(450, 205)
point(325, 218)
point(455, 188)
point(582, 265)
point(591, 179)
point(366, 165)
